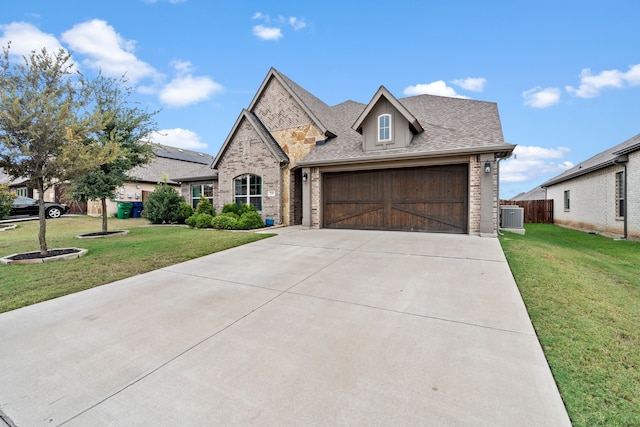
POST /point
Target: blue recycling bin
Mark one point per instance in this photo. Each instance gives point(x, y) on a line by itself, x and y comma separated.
point(136, 209)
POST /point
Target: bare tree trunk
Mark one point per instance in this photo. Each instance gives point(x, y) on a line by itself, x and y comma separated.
point(104, 215)
point(42, 232)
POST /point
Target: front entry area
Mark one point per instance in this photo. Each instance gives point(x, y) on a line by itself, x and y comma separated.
point(429, 198)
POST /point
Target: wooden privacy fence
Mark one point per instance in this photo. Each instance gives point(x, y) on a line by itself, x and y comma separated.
point(535, 211)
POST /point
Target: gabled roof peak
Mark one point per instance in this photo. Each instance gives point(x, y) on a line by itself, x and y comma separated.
point(383, 92)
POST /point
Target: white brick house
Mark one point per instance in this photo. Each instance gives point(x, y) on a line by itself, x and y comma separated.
point(422, 163)
point(601, 194)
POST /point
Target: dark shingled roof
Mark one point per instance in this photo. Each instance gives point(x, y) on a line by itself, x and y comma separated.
point(451, 126)
point(173, 162)
point(599, 161)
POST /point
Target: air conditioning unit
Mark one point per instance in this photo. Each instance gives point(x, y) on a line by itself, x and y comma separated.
point(511, 217)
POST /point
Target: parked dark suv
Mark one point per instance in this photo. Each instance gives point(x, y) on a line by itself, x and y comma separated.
point(28, 206)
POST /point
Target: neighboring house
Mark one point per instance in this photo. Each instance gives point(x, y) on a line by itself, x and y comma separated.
point(167, 163)
point(16, 186)
point(537, 193)
point(601, 194)
point(422, 163)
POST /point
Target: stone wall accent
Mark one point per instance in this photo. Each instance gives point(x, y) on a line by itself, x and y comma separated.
point(294, 131)
point(247, 154)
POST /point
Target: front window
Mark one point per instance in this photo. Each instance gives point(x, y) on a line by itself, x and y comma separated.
point(567, 200)
point(200, 191)
point(384, 127)
point(22, 191)
point(620, 194)
point(248, 189)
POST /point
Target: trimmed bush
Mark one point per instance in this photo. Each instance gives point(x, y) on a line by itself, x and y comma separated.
point(250, 220)
point(231, 208)
point(185, 212)
point(225, 221)
point(162, 205)
point(204, 206)
point(200, 220)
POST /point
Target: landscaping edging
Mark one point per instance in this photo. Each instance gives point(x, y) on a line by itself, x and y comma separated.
point(99, 235)
point(78, 252)
point(8, 227)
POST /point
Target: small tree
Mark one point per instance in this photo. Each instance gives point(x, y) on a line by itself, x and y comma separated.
point(6, 198)
point(123, 126)
point(44, 124)
point(163, 205)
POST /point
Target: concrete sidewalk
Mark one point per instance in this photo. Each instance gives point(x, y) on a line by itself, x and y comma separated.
point(312, 327)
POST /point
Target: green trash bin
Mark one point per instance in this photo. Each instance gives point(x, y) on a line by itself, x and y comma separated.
point(124, 210)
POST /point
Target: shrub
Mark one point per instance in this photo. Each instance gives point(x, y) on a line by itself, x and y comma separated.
point(200, 220)
point(250, 220)
point(162, 205)
point(6, 198)
point(204, 206)
point(185, 212)
point(225, 221)
point(231, 208)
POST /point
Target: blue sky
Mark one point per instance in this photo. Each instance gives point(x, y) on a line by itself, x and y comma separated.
point(565, 74)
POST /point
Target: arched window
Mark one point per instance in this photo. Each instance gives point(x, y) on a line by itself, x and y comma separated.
point(384, 127)
point(248, 189)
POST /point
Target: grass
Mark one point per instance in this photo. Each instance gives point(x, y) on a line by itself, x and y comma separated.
point(582, 292)
point(145, 248)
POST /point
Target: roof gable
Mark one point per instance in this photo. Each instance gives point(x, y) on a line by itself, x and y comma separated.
point(317, 110)
point(382, 92)
point(262, 132)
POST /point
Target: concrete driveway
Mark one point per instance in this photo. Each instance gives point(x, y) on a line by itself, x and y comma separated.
point(312, 327)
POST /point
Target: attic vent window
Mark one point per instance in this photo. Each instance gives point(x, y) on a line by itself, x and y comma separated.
point(384, 127)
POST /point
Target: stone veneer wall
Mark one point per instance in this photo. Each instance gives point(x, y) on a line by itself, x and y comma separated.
point(247, 154)
point(294, 131)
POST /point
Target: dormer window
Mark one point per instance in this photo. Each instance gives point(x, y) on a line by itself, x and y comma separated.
point(384, 127)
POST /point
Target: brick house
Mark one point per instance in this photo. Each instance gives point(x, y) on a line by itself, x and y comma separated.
point(421, 163)
point(601, 194)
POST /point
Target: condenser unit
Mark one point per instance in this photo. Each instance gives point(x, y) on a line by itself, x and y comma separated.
point(511, 217)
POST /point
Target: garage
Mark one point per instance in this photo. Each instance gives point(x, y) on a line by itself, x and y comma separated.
point(430, 199)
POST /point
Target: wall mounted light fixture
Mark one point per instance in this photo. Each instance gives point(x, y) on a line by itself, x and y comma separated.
point(487, 167)
point(305, 177)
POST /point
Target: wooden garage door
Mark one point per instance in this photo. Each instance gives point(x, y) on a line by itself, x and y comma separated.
point(432, 199)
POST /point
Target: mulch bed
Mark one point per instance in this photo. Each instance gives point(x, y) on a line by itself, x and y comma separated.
point(37, 255)
point(99, 234)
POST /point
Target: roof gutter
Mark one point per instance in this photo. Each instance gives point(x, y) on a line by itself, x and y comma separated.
point(502, 151)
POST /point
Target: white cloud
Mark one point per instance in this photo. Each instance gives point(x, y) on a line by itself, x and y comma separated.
point(297, 23)
point(107, 51)
point(591, 84)
point(474, 84)
point(186, 89)
point(267, 33)
point(26, 38)
point(541, 98)
point(438, 87)
point(531, 162)
point(177, 137)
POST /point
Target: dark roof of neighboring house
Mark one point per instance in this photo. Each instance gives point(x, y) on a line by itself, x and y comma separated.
point(6, 179)
point(601, 160)
point(537, 193)
point(451, 126)
point(173, 163)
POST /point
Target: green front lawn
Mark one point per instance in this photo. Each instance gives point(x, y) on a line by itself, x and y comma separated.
point(145, 248)
point(582, 292)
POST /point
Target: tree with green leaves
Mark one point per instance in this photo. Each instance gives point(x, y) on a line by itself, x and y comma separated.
point(6, 198)
point(125, 126)
point(45, 123)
